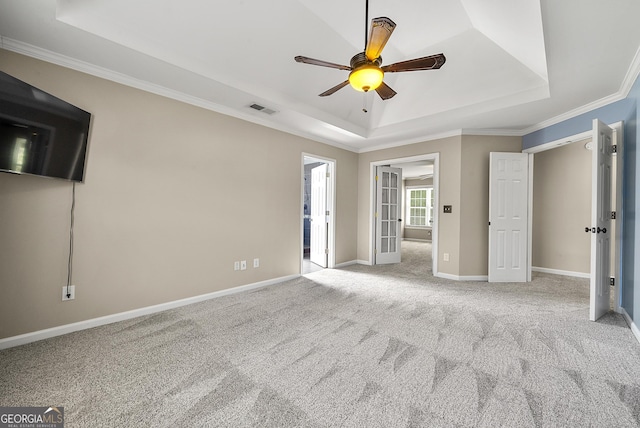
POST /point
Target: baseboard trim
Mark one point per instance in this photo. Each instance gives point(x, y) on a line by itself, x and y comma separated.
point(561, 272)
point(364, 262)
point(482, 278)
point(23, 339)
point(345, 264)
point(632, 325)
point(416, 240)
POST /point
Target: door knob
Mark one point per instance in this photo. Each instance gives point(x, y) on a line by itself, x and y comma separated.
point(587, 229)
point(603, 230)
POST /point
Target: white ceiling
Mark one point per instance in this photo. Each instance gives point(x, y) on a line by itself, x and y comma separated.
point(511, 65)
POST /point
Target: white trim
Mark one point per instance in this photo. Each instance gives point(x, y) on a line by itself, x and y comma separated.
point(561, 272)
point(364, 262)
point(560, 142)
point(123, 79)
point(632, 75)
point(602, 102)
point(65, 61)
point(632, 325)
point(331, 207)
point(416, 240)
point(494, 132)
point(530, 217)
point(415, 140)
point(481, 278)
point(345, 264)
point(22, 339)
point(435, 157)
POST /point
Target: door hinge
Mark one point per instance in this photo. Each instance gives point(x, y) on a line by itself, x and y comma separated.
point(614, 148)
point(613, 215)
point(326, 251)
point(376, 178)
point(376, 215)
point(612, 281)
point(328, 174)
point(327, 212)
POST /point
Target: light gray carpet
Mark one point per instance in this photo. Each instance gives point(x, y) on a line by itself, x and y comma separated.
point(383, 346)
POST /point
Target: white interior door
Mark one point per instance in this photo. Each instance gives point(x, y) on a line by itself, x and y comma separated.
point(388, 214)
point(600, 220)
point(319, 224)
point(508, 217)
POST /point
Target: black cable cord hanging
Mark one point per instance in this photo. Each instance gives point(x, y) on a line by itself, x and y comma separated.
point(69, 266)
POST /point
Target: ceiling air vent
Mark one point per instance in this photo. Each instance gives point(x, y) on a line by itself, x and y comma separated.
point(262, 109)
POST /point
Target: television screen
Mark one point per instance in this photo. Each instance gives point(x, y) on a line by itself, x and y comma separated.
point(39, 133)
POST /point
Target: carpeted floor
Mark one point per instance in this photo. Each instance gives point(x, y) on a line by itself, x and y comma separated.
point(381, 346)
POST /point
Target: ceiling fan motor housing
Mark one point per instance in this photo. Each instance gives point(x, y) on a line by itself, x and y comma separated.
point(365, 75)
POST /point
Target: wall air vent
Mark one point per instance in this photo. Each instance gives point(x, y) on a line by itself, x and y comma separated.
point(262, 109)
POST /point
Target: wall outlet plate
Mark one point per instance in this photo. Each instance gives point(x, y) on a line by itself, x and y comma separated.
point(447, 209)
point(236, 265)
point(256, 263)
point(243, 265)
point(71, 291)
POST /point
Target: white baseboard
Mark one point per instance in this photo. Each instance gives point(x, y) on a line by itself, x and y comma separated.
point(345, 264)
point(22, 339)
point(482, 278)
point(632, 325)
point(416, 240)
point(561, 272)
point(364, 262)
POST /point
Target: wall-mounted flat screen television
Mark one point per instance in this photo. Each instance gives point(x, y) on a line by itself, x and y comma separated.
point(39, 133)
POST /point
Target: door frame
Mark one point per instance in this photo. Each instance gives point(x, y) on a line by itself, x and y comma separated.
point(618, 127)
point(331, 205)
point(435, 157)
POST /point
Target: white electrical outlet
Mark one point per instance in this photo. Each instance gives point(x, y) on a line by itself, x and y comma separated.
point(71, 291)
point(256, 263)
point(445, 257)
point(243, 265)
point(236, 265)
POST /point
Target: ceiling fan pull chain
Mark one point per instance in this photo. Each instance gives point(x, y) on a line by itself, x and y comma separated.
point(364, 103)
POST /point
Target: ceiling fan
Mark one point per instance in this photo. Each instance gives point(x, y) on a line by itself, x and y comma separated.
point(366, 70)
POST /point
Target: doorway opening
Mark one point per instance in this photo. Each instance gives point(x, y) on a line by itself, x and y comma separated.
point(417, 210)
point(586, 141)
point(318, 216)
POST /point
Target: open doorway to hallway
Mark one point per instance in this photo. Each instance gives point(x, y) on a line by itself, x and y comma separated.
point(318, 225)
point(419, 212)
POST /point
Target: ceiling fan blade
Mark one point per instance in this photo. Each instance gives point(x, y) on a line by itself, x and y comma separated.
point(431, 62)
point(381, 29)
point(307, 60)
point(385, 91)
point(334, 89)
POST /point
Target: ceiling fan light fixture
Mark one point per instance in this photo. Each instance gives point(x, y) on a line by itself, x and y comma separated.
point(366, 78)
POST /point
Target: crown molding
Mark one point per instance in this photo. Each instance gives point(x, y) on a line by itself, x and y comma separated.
point(575, 112)
point(62, 60)
point(631, 76)
point(126, 80)
point(415, 140)
point(495, 132)
point(629, 80)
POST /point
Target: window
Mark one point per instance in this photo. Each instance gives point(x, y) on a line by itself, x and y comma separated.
point(419, 206)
